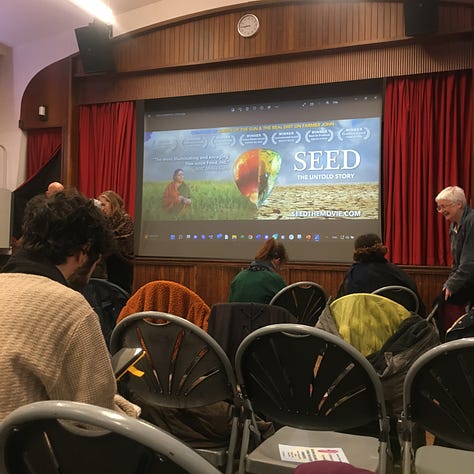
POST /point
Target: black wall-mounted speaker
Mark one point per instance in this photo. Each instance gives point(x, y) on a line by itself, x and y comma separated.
point(421, 17)
point(95, 47)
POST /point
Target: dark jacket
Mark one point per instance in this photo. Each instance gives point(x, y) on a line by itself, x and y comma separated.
point(365, 277)
point(23, 262)
point(230, 323)
point(461, 277)
point(463, 327)
point(413, 338)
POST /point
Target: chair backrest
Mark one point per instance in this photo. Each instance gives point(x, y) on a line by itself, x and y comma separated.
point(306, 378)
point(438, 392)
point(230, 323)
point(106, 288)
point(303, 299)
point(184, 366)
point(107, 299)
point(402, 295)
point(170, 297)
point(50, 437)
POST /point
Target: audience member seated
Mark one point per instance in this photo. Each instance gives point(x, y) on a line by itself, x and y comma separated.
point(260, 282)
point(52, 344)
point(371, 270)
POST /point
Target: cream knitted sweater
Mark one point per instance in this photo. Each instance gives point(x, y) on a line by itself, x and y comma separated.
point(51, 345)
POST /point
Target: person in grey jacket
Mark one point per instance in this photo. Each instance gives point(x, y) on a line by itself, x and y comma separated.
point(451, 203)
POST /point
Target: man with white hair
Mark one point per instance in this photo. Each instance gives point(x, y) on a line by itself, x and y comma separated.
point(451, 202)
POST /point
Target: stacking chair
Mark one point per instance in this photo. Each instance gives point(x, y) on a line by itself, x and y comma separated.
point(438, 394)
point(402, 295)
point(52, 437)
point(107, 299)
point(230, 323)
point(184, 367)
point(303, 299)
point(314, 385)
point(170, 297)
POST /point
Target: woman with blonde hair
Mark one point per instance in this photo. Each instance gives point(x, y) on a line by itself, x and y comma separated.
point(120, 262)
point(260, 281)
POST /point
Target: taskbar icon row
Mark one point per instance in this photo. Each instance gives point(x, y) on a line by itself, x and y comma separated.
point(258, 236)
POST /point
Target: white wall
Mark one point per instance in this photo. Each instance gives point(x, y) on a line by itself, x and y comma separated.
point(20, 65)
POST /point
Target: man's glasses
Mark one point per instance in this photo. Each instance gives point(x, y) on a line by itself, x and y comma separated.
point(443, 207)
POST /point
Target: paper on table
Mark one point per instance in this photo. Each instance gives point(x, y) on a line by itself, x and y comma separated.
point(307, 454)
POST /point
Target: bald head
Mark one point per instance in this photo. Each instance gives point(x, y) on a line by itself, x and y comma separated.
point(54, 188)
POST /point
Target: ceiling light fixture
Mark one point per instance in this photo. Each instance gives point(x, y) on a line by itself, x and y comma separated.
point(97, 9)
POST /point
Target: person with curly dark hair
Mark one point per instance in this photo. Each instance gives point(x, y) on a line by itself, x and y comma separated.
point(371, 270)
point(52, 344)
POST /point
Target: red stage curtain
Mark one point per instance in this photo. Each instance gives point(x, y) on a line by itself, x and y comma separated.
point(426, 146)
point(42, 145)
point(107, 150)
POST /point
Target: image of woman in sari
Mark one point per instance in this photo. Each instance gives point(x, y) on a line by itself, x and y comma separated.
point(177, 195)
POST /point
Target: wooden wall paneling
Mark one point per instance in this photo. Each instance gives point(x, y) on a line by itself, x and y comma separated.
point(179, 43)
point(429, 281)
point(165, 46)
point(203, 51)
point(182, 273)
point(328, 276)
point(377, 27)
point(331, 280)
point(262, 40)
point(347, 65)
point(193, 47)
point(214, 32)
point(285, 29)
point(211, 280)
point(207, 40)
point(344, 24)
point(454, 19)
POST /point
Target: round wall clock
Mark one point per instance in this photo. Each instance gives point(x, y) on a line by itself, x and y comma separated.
point(248, 25)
